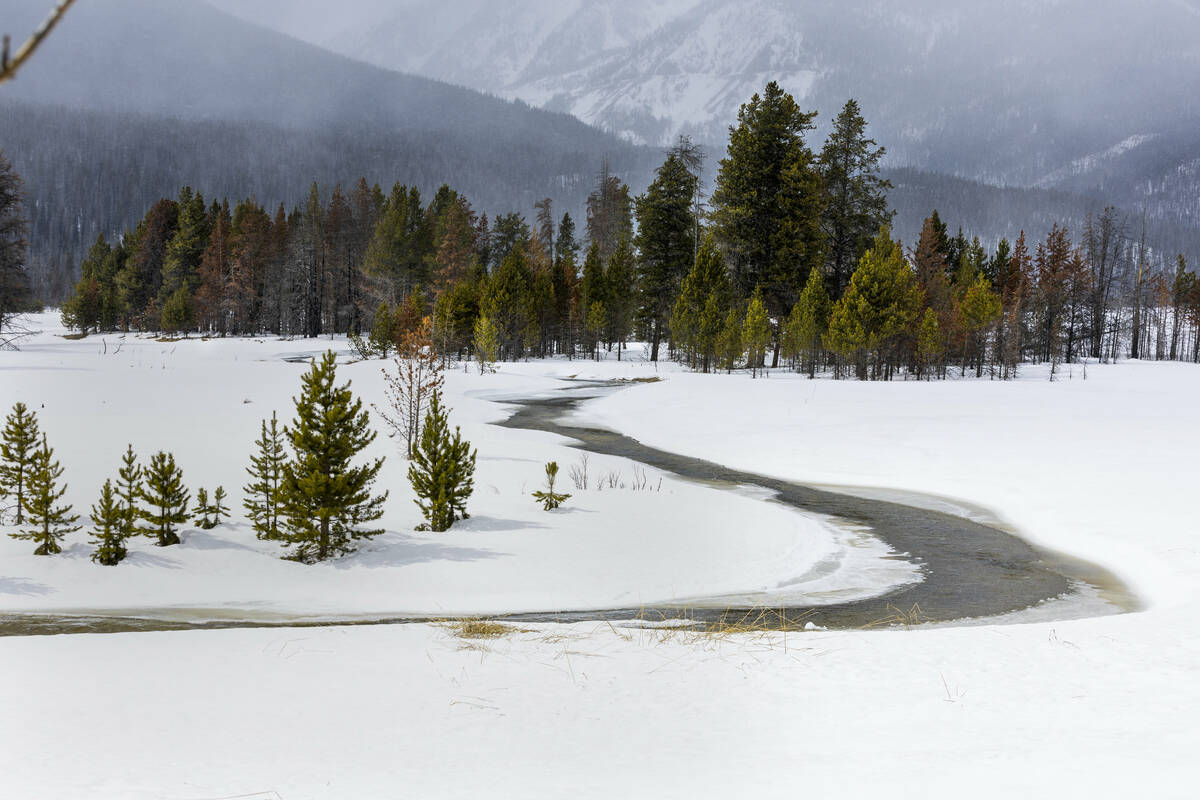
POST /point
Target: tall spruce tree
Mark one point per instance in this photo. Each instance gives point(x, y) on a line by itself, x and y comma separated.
point(323, 496)
point(763, 207)
point(48, 520)
point(108, 533)
point(442, 471)
point(666, 243)
point(855, 196)
point(165, 499)
point(18, 446)
point(266, 474)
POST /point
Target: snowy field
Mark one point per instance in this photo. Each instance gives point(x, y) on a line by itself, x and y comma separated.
point(1102, 468)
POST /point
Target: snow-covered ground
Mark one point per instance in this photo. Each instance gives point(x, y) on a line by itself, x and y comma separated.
point(1101, 468)
point(204, 401)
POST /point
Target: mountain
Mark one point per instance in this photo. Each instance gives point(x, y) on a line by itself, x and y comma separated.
point(129, 100)
point(1005, 91)
point(188, 59)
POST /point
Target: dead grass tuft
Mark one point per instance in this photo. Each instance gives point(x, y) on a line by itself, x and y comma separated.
point(481, 629)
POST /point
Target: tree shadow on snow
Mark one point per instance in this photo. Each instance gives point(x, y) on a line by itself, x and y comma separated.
point(493, 525)
point(23, 586)
point(205, 540)
point(402, 549)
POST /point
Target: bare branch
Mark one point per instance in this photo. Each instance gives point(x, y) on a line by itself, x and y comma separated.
point(9, 67)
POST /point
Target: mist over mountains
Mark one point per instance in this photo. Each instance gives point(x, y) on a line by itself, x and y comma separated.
point(1001, 115)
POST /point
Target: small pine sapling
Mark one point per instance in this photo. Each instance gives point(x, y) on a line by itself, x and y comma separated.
point(266, 471)
point(549, 499)
point(108, 533)
point(202, 513)
point(166, 499)
point(48, 521)
point(442, 471)
point(129, 491)
point(18, 446)
point(219, 510)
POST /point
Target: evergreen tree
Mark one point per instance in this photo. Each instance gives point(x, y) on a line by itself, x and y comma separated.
point(809, 320)
point(181, 260)
point(879, 309)
point(487, 343)
point(129, 491)
point(931, 345)
point(756, 333)
point(596, 325)
point(18, 448)
point(218, 508)
point(442, 471)
point(550, 499)
point(856, 197)
point(109, 532)
point(48, 521)
point(178, 312)
point(323, 496)
point(266, 473)
point(665, 242)
point(14, 247)
point(609, 213)
point(979, 310)
point(729, 349)
point(621, 290)
point(762, 211)
point(165, 498)
point(202, 513)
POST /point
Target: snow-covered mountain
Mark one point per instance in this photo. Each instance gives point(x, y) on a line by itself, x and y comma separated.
point(1008, 91)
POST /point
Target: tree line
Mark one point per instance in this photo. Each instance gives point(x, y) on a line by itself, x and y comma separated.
point(791, 260)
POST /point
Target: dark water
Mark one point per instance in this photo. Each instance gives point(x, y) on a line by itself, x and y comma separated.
point(971, 570)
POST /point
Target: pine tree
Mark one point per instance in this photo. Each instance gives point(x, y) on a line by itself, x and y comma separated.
point(129, 491)
point(218, 508)
point(666, 243)
point(763, 211)
point(323, 497)
point(165, 498)
point(442, 471)
point(856, 197)
point(550, 499)
point(729, 348)
point(756, 332)
point(18, 447)
point(14, 248)
point(979, 310)
point(266, 473)
point(202, 513)
point(48, 522)
point(487, 344)
point(620, 282)
point(879, 308)
point(811, 314)
point(931, 345)
point(109, 532)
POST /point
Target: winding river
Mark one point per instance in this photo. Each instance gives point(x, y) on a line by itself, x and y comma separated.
point(973, 569)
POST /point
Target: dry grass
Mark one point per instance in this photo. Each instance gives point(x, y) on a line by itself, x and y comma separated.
point(898, 616)
point(481, 629)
